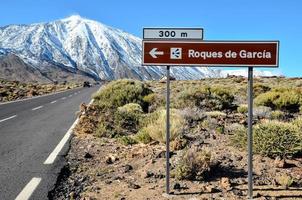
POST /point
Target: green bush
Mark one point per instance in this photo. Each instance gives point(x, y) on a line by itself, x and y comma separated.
point(277, 115)
point(286, 100)
point(298, 122)
point(124, 120)
point(243, 109)
point(193, 164)
point(272, 139)
point(106, 127)
point(210, 98)
point(238, 135)
point(285, 180)
point(127, 140)
point(154, 101)
point(260, 89)
point(127, 118)
point(121, 92)
point(155, 125)
point(143, 136)
point(215, 114)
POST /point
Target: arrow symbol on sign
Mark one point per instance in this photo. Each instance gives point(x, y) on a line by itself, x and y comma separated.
point(154, 53)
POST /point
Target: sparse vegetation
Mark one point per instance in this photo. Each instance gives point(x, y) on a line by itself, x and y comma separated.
point(127, 140)
point(193, 164)
point(271, 138)
point(143, 136)
point(286, 100)
point(156, 125)
point(277, 115)
point(121, 92)
point(242, 109)
point(208, 134)
point(13, 90)
point(285, 180)
point(209, 98)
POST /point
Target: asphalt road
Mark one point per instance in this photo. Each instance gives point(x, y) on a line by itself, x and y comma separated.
point(30, 130)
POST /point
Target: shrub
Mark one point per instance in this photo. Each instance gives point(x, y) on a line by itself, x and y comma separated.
point(285, 180)
point(143, 136)
point(127, 118)
point(220, 129)
point(238, 135)
point(106, 127)
point(242, 109)
point(193, 114)
point(154, 101)
point(210, 98)
point(156, 125)
point(231, 128)
point(130, 108)
point(277, 114)
point(121, 92)
point(193, 164)
point(260, 89)
point(298, 122)
point(288, 100)
point(262, 112)
point(274, 138)
point(127, 140)
point(216, 114)
point(271, 138)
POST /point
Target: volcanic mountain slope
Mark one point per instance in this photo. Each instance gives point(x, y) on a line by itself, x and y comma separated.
point(76, 43)
point(81, 46)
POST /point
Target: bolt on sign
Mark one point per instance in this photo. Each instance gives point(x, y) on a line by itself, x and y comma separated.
point(211, 53)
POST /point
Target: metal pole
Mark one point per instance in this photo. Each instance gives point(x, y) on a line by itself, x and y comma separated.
point(250, 132)
point(168, 132)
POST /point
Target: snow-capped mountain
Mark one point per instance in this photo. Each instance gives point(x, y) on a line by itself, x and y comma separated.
point(78, 44)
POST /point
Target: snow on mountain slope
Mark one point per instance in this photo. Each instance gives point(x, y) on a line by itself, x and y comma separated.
point(79, 44)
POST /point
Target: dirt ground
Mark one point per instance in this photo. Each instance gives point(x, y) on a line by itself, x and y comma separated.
point(102, 168)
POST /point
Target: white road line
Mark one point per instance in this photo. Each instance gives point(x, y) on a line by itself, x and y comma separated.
point(36, 108)
point(53, 102)
point(29, 189)
point(51, 158)
point(64, 98)
point(2, 120)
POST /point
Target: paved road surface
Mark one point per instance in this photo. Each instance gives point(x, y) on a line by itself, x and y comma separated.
point(30, 130)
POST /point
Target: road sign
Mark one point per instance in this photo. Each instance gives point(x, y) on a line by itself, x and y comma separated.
point(173, 33)
point(211, 53)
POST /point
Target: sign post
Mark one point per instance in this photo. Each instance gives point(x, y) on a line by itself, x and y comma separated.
point(168, 132)
point(250, 132)
point(172, 47)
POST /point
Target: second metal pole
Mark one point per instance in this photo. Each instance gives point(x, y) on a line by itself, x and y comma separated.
point(168, 132)
point(250, 132)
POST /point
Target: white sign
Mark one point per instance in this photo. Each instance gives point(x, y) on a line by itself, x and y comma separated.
point(173, 33)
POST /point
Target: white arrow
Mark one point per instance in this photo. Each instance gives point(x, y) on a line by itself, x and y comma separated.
point(155, 53)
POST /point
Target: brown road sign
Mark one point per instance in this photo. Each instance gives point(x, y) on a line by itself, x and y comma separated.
point(211, 53)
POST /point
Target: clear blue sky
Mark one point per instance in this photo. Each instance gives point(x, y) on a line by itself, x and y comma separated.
point(221, 19)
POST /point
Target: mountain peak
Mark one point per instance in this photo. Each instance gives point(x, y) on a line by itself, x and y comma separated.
point(74, 18)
